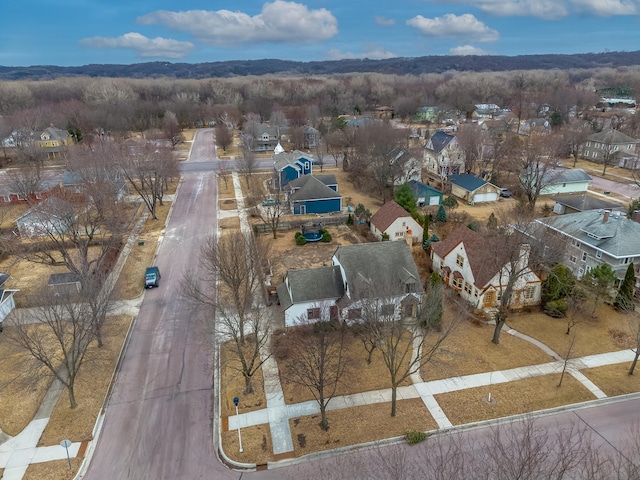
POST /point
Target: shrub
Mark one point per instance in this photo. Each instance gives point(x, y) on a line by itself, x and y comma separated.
point(385, 237)
point(556, 308)
point(416, 436)
point(298, 234)
point(301, 240)
point(326, 237)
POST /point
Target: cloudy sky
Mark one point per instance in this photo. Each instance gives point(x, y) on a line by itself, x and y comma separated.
point(79, 32)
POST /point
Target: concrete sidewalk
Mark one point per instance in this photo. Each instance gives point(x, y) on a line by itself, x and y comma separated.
point(427, 390)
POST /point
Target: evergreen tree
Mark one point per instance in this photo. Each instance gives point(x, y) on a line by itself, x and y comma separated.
point(425, 229)
point(406, 199)
point(624, 300)
point(633, 206)
point(492, 222)
point(441, 216)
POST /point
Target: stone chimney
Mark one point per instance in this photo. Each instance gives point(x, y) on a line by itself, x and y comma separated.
point(605, 217)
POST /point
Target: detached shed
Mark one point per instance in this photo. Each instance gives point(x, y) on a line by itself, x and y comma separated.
point(473, 189)
point(67, 282)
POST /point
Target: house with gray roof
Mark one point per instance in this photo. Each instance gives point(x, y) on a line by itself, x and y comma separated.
point(564, 180)
point(381, 272)
point(601, 146)
point(54, 141)
point(539, 126)
point(425, 194)
point(580, 203)
point(7, 303)
point(291, 165)
point(403, 166)
point(593, 238)
point(443, 156)
point(314, 196)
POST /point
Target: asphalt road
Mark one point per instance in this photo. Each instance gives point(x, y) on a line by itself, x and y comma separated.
point(630, 190)
point(158, 422)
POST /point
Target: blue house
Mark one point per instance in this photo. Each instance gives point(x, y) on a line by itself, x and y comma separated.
point(425, 194)
point(292, 165)
point(314, 196)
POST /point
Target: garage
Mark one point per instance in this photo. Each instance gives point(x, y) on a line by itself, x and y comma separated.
point(485, 197)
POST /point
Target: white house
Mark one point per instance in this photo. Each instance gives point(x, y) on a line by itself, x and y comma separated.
point(443, 156)
point(381, 273)
point(396, 222)
point(561, 180)
point(462, 262)
point(7, 303)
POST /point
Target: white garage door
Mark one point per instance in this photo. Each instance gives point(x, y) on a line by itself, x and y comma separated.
point(434, 200)
point(485, 197)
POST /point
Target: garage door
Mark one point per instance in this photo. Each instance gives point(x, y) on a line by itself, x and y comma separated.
point(434, 200)
point(485, 197)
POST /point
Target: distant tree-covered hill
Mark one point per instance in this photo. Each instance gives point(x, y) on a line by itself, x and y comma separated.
point(399, 66)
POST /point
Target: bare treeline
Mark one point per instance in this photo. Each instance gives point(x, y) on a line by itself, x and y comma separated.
point(87, 104)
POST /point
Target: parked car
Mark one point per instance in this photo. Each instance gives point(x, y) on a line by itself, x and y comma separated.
point(152, 277)
point(505, 192)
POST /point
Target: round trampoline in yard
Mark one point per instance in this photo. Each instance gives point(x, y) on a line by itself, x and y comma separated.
point(312, 236)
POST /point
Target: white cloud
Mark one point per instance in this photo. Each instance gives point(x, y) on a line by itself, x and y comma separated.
point(607, 8)
point(384, 21)
point(467, 50)
point(372, 51)
point(143, 46)
point(553, 9)
point(278, 22)
point(453, 26)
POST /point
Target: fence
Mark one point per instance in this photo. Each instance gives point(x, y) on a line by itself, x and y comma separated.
point(317, 222)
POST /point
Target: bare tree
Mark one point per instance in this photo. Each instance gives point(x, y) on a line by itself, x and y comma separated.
point(270, 208)
point(405, 343)
point(229, 283)
point(536, 168)
point(56, 335)
point(247, 163)
point(224, 136)
point(471, 143)
point(575, 133)
point(26, 181)
point(148, 169)
point(171, 128)
point(316, 360)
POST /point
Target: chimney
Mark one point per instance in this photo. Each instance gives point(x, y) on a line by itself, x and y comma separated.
point(605, 217)
point(636, 216)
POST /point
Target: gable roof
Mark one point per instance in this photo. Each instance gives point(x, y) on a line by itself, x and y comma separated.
point(56, 133)
point(311, 284)
point(612, 137)
point(3, 278)
point(388, 213)
point(483, 269)
point(565, 175)
point(291, 159)
point(422, 189)
point(468, 182)
point(327, 179)
point(439, 140)
point(314, 189)
point(585, 202)
point(617, 237)
point(367, 264)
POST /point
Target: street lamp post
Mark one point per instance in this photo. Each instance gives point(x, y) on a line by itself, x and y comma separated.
point(236, 400)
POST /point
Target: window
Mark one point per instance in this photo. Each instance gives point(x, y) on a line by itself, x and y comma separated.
point(467, 287)
point(584, 256)
point(354, 313)
point(459, 260)
point(587, 268)
point(598, 254)
point(457, 283)
point(499, 295)
point(387, 309)
point(580, 272)
point(399, 234)
point(588, 144)
point(530, 293)
point(586, 153)
point(625, 261)
point(597, 145)
point(595, 154)
point(575, 243)
point(573, 259)
point(313, 313)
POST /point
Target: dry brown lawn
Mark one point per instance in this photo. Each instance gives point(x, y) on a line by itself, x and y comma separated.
point(359, 424)
point(614, 379)
point(350, 195)
point(593, 336)
point(228, 204)
point(229, 223)
point(469, 350)
point(359, 377)
point(91, 387)
point(54, 470)
point(512, 398)
point(256, 445)
point(22, 387)
point(233, 384)
point(226, 190)
point(9, 213)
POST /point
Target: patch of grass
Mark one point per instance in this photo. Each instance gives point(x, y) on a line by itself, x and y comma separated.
point(228, 204)
point(360, 424)
point(22, 386)
point(614, 379)
point(54, 470)
point(90, 389)
point(226, 190)
point(511, 398)
point(229, 223)
point(232, 385)
point(9, 213)
point(593, 335)
point(256, 444)
point(469, 350)
point(155, 226)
